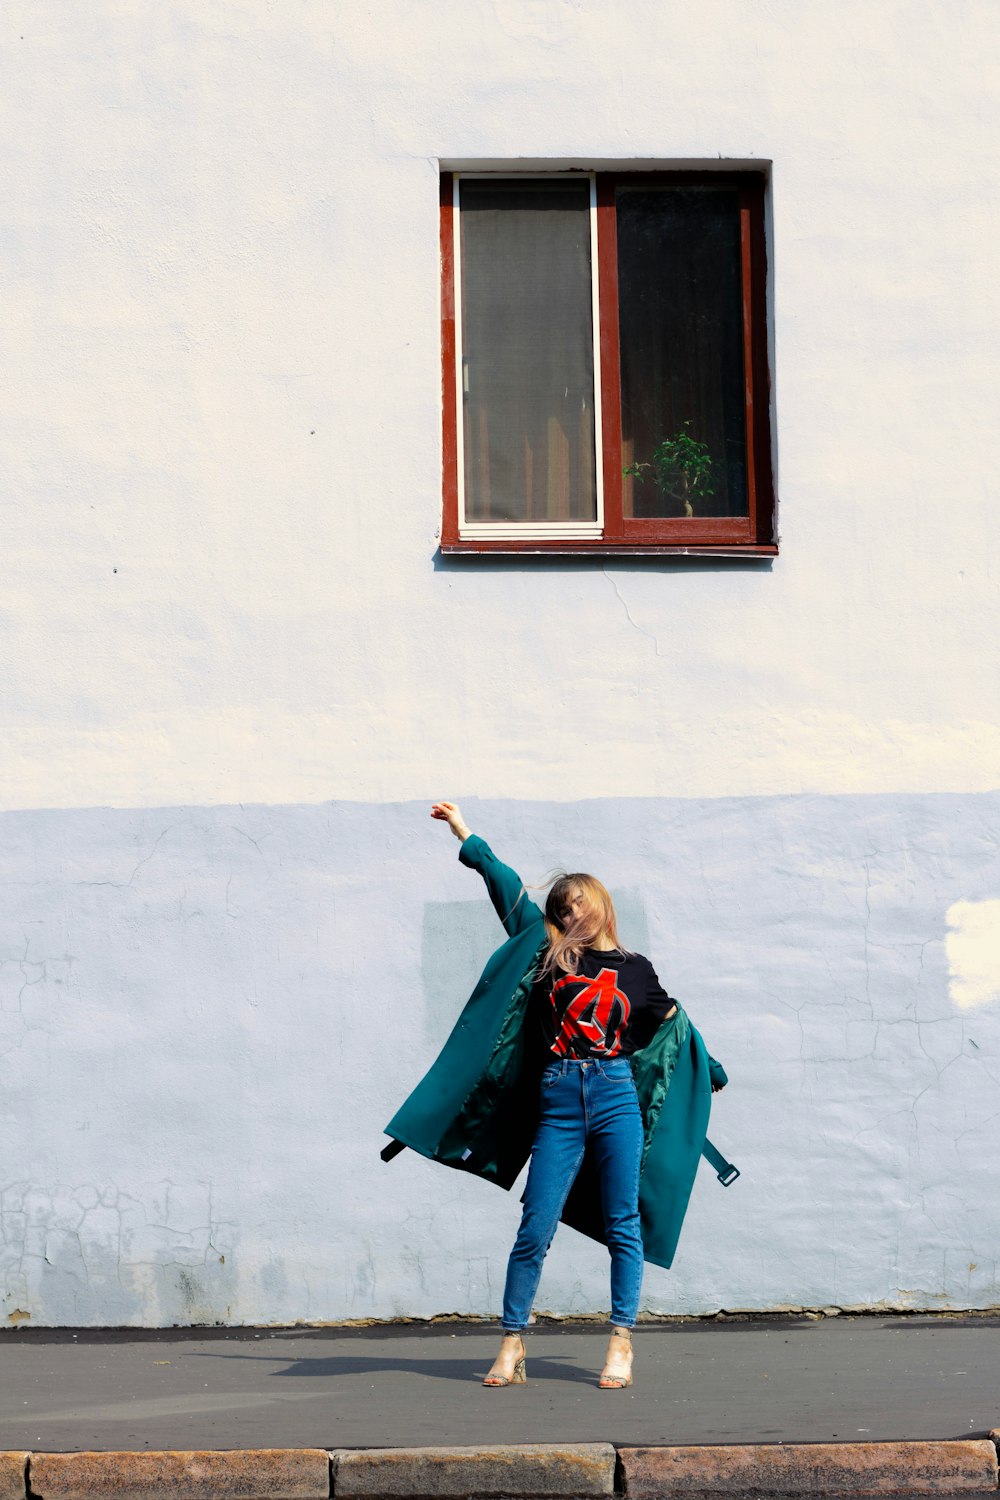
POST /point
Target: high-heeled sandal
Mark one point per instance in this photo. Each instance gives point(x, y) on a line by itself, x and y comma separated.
point(495, 1381)
point(616, 1376)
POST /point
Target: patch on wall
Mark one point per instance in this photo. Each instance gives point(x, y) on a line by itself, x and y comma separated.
point(973, 949)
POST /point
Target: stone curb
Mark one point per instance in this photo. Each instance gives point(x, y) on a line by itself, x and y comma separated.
point(966, 1467)
point(13, 1468)
point(246, 1474)
point(523, 1472)
point(511, 1470)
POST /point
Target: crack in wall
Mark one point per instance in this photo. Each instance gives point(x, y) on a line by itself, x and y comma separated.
point(94, 1237)
point(631, 619)
point(125, 885)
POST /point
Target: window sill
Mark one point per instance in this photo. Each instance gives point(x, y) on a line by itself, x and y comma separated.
point(531, 548)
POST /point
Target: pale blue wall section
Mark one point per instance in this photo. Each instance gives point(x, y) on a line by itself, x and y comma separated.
point(207, 1015)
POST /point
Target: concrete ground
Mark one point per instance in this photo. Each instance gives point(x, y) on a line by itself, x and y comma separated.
point(846, 1379)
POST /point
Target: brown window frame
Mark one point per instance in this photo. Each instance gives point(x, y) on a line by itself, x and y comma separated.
point(751, 535)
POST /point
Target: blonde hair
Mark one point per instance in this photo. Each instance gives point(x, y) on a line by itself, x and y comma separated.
point(568, 941)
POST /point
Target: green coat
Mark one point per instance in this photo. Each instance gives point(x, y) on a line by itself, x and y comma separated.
point(477, 1107)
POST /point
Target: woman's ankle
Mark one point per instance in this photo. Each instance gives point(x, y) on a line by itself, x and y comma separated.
point(508, 1367)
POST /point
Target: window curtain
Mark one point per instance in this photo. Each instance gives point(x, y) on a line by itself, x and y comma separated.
point(527, 351)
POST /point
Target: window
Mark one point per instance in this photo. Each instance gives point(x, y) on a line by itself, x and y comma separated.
point(605, 363)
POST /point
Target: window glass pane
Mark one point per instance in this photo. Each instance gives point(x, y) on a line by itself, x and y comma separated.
point(527, 351)
point(681, 337)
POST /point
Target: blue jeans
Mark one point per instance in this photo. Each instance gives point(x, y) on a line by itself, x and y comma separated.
point(583, 1103)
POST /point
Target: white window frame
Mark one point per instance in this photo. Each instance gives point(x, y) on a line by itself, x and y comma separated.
point(527, 530)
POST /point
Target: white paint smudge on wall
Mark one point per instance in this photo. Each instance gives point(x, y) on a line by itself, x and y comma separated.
point(973, 949)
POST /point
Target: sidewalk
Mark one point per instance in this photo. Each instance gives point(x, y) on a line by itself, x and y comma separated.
point(835, 1380)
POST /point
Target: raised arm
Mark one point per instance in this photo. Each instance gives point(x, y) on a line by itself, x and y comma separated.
point(510, 899)
point(451, 813)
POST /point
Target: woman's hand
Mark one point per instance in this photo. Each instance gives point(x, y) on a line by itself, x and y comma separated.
point(451, 813)
point(717, 1088)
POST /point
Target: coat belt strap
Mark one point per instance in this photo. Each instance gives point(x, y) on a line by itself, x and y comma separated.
point(725, 1171)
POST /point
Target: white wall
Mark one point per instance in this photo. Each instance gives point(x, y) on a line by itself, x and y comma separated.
point(222, 485)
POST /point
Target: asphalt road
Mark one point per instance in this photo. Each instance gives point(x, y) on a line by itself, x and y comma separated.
point(848, 1379)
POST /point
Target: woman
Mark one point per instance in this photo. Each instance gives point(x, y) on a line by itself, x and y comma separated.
point(539, 1062)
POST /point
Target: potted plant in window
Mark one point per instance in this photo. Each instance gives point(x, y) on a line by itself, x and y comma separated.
point(680, 468)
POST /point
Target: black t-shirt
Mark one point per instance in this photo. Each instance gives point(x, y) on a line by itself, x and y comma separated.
point(610, 1007)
